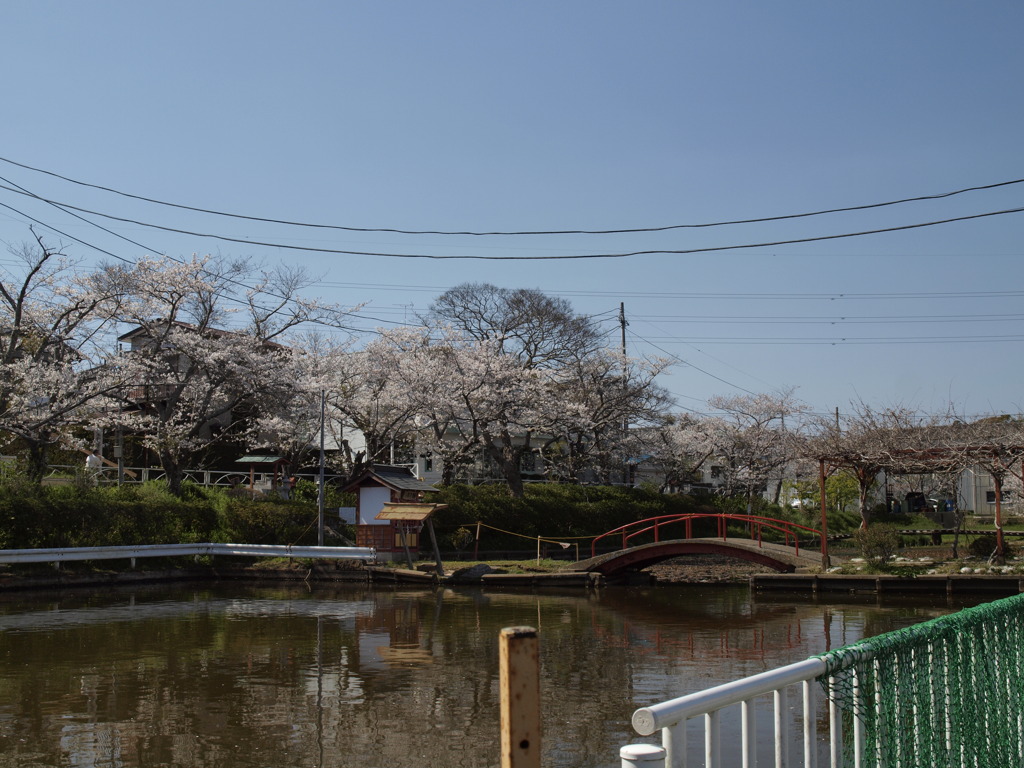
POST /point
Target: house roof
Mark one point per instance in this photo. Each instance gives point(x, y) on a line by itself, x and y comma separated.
point(146, 330)
point(261, 459)
point(398, 478)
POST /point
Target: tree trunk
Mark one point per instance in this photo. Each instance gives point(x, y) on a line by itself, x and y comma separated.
point(507, 459)
point(999, 556)
point(38, 459)
point(173, 472)
point(959, 520)
point(863, 487)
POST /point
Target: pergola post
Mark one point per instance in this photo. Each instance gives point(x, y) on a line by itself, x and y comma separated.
point(824, 521)
point(1000, 547)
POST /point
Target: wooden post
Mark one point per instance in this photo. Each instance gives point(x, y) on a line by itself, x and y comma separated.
point(437, 551)
point(825, 563)
point(519, 680)
point(1000, 546)
point(405, 544)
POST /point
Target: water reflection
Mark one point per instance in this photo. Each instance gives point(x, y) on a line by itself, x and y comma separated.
point(237, 676)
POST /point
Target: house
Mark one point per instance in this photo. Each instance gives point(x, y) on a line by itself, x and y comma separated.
point(184, 378)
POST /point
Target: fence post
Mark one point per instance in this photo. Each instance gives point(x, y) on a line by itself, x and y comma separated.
point(519, 681)
point(642, 756)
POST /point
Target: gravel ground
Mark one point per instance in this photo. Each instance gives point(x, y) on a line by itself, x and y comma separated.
point(705, 569)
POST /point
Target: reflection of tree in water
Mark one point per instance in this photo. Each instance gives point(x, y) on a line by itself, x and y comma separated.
point(282, 676)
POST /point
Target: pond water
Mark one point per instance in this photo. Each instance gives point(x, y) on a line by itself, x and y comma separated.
point(232, 675)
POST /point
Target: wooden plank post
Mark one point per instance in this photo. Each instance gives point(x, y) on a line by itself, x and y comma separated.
point(519, 680)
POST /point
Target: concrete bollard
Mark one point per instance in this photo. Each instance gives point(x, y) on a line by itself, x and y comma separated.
point(642, 756)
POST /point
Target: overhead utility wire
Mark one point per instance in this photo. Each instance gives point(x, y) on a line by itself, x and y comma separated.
point(65, 234)
point(909, 320)
point(172, 258)
point(626, 254)
point(806, 340)
point(743, 296)
point(392, 230)
point(691, 365)
point(82, 219)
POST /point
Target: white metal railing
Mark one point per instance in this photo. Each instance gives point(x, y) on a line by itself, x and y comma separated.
point(220, 477)
point(945, 692)
point(772, 689)
point(57, 554)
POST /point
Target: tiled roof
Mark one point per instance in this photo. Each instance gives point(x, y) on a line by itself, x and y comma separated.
point(400, 478)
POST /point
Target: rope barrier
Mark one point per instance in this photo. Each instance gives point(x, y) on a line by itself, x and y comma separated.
point(546, 540)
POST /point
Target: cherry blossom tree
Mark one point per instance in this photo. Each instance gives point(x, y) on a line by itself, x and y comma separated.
point(754, 437)
point(481, 401)
point(510, 352)
point(603, 406)
point(52, 337)
point(368, 390)
point(207, 351)
point(683, 447)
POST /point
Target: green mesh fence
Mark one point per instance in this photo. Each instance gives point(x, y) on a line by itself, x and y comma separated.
point(947, 692)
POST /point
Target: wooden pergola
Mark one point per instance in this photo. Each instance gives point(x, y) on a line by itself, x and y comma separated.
point(997, 459)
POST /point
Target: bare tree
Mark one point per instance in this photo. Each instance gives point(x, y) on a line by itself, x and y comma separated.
point(537, 330)
point(867, 442)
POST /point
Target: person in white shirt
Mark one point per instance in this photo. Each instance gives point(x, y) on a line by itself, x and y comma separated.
point(94, 464)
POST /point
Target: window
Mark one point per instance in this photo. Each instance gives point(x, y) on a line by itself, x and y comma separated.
point(990, 497)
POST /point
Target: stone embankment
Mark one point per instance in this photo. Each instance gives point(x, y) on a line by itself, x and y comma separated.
point(936, 584)
point(705, 569)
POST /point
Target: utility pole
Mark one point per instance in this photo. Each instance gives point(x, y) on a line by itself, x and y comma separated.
point(625, 387)
point(321, 494)
point(622, 325)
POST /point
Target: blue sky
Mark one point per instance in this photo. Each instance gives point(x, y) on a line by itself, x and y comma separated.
point(464, 116)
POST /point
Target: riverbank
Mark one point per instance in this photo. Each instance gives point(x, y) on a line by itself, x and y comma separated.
point(696, 569)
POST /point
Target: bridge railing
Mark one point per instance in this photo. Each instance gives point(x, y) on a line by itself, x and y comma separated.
point(790, 531)
point(946, 692)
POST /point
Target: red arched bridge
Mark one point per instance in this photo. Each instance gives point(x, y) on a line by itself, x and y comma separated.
point(785, 554)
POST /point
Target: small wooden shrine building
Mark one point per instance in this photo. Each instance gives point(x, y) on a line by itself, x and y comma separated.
point(396, 534)
point(274, 466)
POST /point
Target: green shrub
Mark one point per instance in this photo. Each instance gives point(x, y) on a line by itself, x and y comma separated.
point(267, 521)
point(877, 543)
point(557, 511)
point(984, 546)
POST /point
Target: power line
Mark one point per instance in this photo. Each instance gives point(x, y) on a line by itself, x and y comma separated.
point(715, 296)
point(65, 234)
point(564, 257)
point(687, 363)
point(222, 295)
point(798, 341)
point(636, 230)
point(833, 321)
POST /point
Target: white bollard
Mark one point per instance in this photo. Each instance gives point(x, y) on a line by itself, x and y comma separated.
point(642, 756)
